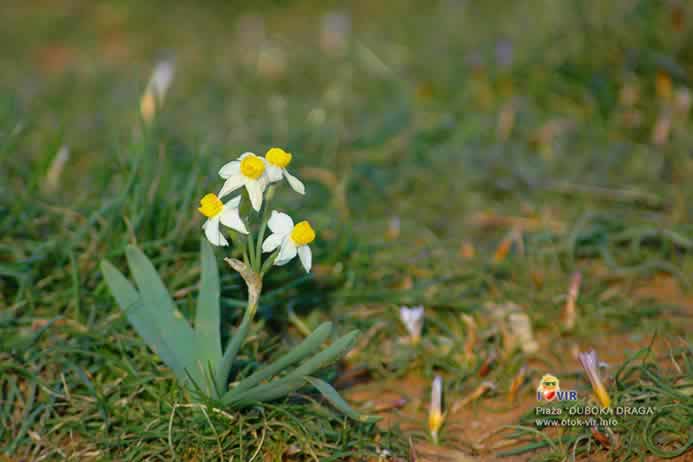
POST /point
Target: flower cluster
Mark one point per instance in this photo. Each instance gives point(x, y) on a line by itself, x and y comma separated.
point(256, 174)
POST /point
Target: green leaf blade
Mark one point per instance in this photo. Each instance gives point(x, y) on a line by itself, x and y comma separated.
point(309, 345)
point(295, 379)
point(338, 402)
point(207, 315)
point(131, 304)
point(174, 328)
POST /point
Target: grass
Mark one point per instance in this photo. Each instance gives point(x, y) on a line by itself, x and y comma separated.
point(425, 144)
point(641, 383)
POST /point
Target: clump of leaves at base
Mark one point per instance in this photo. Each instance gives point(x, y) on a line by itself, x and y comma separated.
point(194, 353)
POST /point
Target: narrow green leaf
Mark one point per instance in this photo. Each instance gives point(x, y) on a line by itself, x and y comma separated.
point(174, 328)
point(267, 392)
point(233, 347)
point(307, 347)
point(327, 356)
point(295, 379)
point(207, 315)
point(338, 402)
point(130, 302)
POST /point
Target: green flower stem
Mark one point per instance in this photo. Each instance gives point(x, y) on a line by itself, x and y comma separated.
point(263, 226)
point(251, 270)
point(254, 282)
point(267, 264)
point(251, 251)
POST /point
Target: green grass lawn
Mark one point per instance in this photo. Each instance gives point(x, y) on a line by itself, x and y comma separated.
point(459, 155)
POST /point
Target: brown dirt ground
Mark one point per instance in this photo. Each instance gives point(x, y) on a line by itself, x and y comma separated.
point(405, 402)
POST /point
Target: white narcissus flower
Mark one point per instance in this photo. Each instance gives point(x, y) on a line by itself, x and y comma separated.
point(217, 212)
point(249, 171)
point(290, 239)
point(413, 319)
point(277, 161)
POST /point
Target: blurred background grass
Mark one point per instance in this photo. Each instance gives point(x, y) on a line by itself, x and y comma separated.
point(436, 135)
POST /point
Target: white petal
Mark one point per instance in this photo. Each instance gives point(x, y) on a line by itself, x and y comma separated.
point(230, 217)
point(264, 181)
point(280, 223)
point(234, 203)
point(272, 242)
point(294, 182)
point(413, 319)
point(245, 154)
point(232, 183)
point(161, 78)
point(287, 252)
point(212, 232)
point(274, 173)
point(230, 169)
point(306, 257)
point(436, 395)
point(255, 192)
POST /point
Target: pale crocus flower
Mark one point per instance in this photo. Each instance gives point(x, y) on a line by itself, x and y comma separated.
point(248, 171)
point(272, 61)
point(470, 342)
point(474, 395)
point(569, 312)
point(52, 180)
point(516, 383)
point(435, 414)
point(156, 90)
point(393, 228)
point(217, 212)
point(277, 160)
point(291, 239)
point(590, 363)
point(335, 28)
point(413, 319)
point(521, 330)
